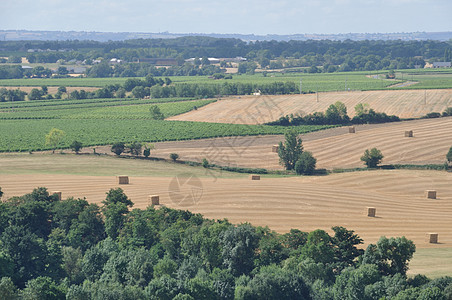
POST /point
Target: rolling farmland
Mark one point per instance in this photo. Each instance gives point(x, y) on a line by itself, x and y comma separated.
point(263, 109)
point(306, 203)
point(333, 148)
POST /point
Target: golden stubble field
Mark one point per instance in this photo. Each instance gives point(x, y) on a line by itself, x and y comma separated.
point(334, 148)
point(263, 109)
point(306, 203)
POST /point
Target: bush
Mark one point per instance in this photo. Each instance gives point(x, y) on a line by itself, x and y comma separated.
point(174, 156)
point(449, 155)
point(76, 146)
point(118, 148)
point(205, 163)
point(372, 158)
point(146, 152)
point(305, 164)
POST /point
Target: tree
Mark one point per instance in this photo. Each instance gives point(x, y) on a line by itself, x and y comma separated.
point(175, 156)
point(76, 146)
point(390, 255)
point(115, 207)
point(239, 248)
point(139, 91)
point(118, 148)
point(305, 164)
point(372, 158)
point(134, 148)
point(449, 155)
point(35, 94)
point(291, 150)
point(156, 114)
point(54, 137)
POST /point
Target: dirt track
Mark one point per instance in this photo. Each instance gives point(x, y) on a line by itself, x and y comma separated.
point(335, 148)
point(306, 203)
point(263, 109)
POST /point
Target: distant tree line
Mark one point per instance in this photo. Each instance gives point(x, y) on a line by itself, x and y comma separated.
point(336, 114)
point(318, 56)
point(71, 249)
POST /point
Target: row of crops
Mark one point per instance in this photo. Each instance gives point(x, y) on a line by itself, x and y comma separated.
point(102, 110)
point(99, 122)
point(310, 82)
point(26, 135)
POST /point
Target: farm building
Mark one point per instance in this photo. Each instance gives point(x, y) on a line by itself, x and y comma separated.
point(442, 64)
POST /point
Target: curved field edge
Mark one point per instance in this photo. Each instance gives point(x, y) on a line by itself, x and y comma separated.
point(29, 135)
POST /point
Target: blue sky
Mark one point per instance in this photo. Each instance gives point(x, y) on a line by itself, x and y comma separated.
point(233, 16)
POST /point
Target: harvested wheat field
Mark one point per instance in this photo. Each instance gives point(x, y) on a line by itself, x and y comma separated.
point(333, 148)
point(263, 109)
point(306, 203)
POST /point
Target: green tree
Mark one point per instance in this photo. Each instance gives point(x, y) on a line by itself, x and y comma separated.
point(372, 158)
point(291, 150)
point(390, 255)
point(174, 157)
point(54, 138)
point(135, 148)
point(239, 248)
point(115, 208)
point(118, 148)
point(43, 288)
point(76, 146)
point(305, 164)
point(139, 92)
point(8, 290)
point(156, 114)
point(35, 94)
point(449, 155)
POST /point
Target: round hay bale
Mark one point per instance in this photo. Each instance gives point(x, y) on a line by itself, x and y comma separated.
point(255, 177)
point(371, 211)
point(409, 133)
point(154, 199)
point(432, 238)
point(59, 194)
point(351, 129)
point(431, 194)
point(123, 179)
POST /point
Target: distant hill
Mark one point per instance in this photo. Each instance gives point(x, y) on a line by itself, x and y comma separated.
point(15, 35)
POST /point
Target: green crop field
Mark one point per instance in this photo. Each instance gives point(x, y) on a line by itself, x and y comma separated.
point(125, 109)
point(310, 82)
point(24, 126)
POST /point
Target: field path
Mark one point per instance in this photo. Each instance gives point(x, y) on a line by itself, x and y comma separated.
point(263, 109)
point(333, 148)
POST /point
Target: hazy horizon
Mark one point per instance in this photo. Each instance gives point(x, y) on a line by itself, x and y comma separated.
point(234, 17)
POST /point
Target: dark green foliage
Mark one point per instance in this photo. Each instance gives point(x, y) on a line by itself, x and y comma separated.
point(290, 151)
point(146, 152)
point(134, 148)
point(205, 163)
point(174, 156)
point(449, 155)
point(156, 114)
point(76, 146)
point(115, 207)
point(372, 158)
point(390, 255)
point(70, 250)
point(305, 165)
point(272, 282)
point(239, 246)
point(118, 148)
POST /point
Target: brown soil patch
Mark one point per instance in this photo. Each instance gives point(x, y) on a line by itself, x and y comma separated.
point(334, 148)
point(306, 203)
point(263, 109)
